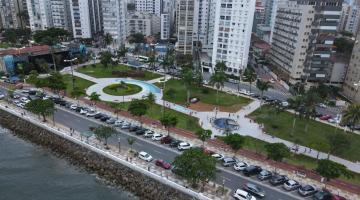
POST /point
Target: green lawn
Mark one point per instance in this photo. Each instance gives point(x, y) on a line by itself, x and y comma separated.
point(256, 145)
point(206, 95)
point(280, 125)
point(184, 121)
point(79, 82)
point(101, 72)
point(4, 45)
point(122, 90)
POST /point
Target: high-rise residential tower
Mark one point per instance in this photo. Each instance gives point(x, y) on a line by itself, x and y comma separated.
point(114, 20)
point(149, 6)
point(13, 14)
point(184, 26)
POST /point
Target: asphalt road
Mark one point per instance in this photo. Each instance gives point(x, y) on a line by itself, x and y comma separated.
point(232, 178)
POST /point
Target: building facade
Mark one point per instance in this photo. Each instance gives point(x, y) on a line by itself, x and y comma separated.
point(139, 23)
point(350, 19)
point(39, 14)
point(149, 6)
point(114, 20)
point(13, 14)
point(184, 26)
point(352, 80)
point(303, 37)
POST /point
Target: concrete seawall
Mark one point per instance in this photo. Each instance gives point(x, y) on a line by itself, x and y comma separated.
point(134, 179)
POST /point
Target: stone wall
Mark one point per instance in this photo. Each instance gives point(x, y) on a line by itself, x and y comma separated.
point(115, 173)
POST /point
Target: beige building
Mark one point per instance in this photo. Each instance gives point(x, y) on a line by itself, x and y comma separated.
point(352, 80)
point(184, 26)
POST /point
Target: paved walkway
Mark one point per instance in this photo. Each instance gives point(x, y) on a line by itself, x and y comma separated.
point(246, 126)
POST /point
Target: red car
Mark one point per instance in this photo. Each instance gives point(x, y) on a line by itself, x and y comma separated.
point(166, 140)
point(325, 117)
point(163, 164)
point(337, 197)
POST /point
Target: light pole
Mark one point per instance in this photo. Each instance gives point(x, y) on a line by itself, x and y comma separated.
point(72, 71)
point(163, 107)
point(119, 140)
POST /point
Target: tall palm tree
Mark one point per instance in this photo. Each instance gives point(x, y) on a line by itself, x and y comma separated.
point(250, 76)
point(311, 99)
point(187, 76)
point(352, 115)
point(94, 97)
point(108, 39)
point(218, 79)
point(296, 102)
point(262, 86)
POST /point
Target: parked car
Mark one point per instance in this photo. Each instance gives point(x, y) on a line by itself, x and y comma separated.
point(98, 116)
point(133, 128)
point(157, 137)
point(175, 143)
point(325, 117)
point(183, 146)
point(149, 133)
point(111, 120)
point(78, 109)
point(252, 170)
point(307, 190)
point(145, 156)
point(239, 166)
point(118, 123)
point(228, 161)
point(166, 140)
point(83, 111)
point(125, 125)
point(24, 99)
point(243, 195)
point(163, 164)
point(2, 96)
point(92, 113)
point(264, 175)
point(254, 189)
point(290, 185)
point(217, 156)
point(278, 180)
point(140, 131)
point(337, 197)
point(323, 195)
point(104, 118)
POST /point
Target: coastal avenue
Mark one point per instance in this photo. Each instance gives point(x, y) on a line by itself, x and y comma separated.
point(232, 179)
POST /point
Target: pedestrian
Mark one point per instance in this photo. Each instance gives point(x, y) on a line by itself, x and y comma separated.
point(229, 114)
point(309, 150)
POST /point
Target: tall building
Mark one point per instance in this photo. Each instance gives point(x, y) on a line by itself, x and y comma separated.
point(350, 19)
point(303, 37)
point(139, 23)
point(352, 80)
point(60, 14)
point(114, 20)
point(149, 6)
point(184, 26)
point(259, 16)
point(167, 19)
point(13, 14)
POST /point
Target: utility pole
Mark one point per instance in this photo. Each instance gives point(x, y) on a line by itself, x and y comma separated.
point(72, 71)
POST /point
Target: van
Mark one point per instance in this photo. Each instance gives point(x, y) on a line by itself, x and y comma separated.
point(227, 162)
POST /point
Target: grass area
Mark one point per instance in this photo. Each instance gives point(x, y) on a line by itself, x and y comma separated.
point(98, 71)
point(184, 121)
point(175, 91)
point(79, 82)
point(4, 45)
point(256, 145)
point(280, 125)
point(122, 89)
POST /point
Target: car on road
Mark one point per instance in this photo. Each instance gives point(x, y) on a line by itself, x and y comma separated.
point(111, 120)
point(157, 136)
point(254, 189)
point(290, 185)
point(264, 175)
point(278, 180)
point(325, 117)
point(217, 156)
point(149, 133)
point(163, 164)
point(145, 156)
point(183, 146)
point(15, 96)
point(307, 190)
point(166, 140)
point(322, 105)
point(228, 161)
point(243, 195)
point(323, 195)
point(175, 143)
point(252, 170)
point(239, 166)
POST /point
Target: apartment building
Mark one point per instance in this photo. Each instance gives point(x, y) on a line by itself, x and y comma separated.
point(139, 23)
point(184, 26)
point(13, 14)
point(39, 14)
point(149, 6)
point(114, 20)
point(350, 19)
point(352, 79)
point(303, 37)
point(60, 14)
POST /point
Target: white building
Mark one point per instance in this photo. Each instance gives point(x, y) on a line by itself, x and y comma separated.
point(165, 27)
point(114, 20)
point(139, 23)
point(149, 6)
point(184, 26)
point(10, 11)
point(60, 14)
point(39, 14)
point(350, 19)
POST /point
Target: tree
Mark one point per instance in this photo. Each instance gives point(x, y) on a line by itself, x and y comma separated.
point(13, 36)
point(277, 151)
point(131, 141)
point(235, 141)
point(137, 38)
point(344, 45)
point(33, 76)
point(218, 79)
point(352, 115)
point(94, 97)
point(105, 58)
point(338, 143)
point(262, 86)
point(138, 108)
point(311, 99)
point(41, 82)
point(104, 132)
point(168, 61)
point(41, 107)
point(203, 135)
point(331, 170)
point(76, 92)
point(152, 60)
point(150, 98)
point(250, 75)
point(56, 82)
point(187, 77)
point(122, 52)
point(195, 166)
point(108, 39)
point(168, 121)
point(319, 144)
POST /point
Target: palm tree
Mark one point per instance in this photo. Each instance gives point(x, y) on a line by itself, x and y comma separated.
point(187, 77)
point(352, 115)
point(131, 141)
point(250, 76)
point(152, 61)
point(94, 97)
point(295, 103)
point(204, 135)
point(108, 39)
point(262, 86)
point(218, 79)
point(311, 99)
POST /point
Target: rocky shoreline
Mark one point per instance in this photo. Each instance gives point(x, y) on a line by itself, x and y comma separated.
point(114, 173)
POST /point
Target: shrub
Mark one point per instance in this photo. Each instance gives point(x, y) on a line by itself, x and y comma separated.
point(170, 93)
point(205, 90)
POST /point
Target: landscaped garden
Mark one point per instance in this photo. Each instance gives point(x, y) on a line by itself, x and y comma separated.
point(99, 71)
point(122, 89)
point(82, 84)
point(310, 133)
point(175, 91)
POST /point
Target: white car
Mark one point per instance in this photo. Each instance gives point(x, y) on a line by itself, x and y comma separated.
point(243, 195)
point(21, 105)
point(184, 146)
point(322, 105)
point(272, 80)
point(217, 156)
point(91, 113)
point(24, 100)
point(291, 185)
point(83, 111)
point(46, 97)
point(73, 107)
point(149, 133)
point(157, 137)
point(2, 96)
point(125, 125)
point(239, 166)
point(145, 156)
point(118, 122)
point(284, 104)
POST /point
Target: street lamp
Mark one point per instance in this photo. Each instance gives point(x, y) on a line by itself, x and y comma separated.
point(72, 70)
point(119, 140)
point(163, 106)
